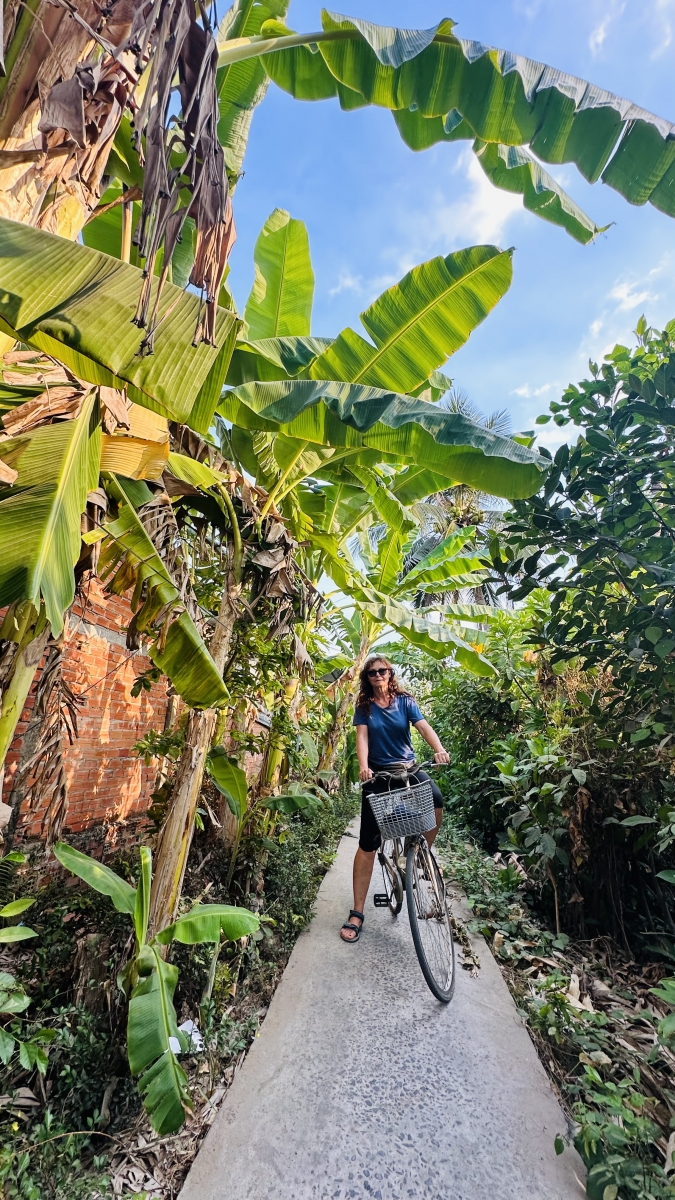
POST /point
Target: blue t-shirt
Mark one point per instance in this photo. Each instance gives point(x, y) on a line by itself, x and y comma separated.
point(389, 731)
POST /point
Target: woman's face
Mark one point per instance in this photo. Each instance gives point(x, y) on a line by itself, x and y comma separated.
point(378, 676)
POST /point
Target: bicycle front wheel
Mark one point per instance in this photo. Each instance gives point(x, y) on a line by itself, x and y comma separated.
point(430, 922)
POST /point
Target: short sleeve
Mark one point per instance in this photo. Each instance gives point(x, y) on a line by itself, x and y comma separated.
point(360, 717)
point(414, 713)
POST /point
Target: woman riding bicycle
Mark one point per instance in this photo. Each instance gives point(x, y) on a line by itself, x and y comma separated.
point(383, 715)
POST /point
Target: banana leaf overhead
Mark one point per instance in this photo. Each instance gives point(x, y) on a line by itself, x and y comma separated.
point(241, 86)
point(76, 304)
point(398, 427)
point(283, 290)
point(444, 88)
point(334, 408)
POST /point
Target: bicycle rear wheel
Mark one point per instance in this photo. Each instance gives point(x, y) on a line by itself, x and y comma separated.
point(392, 880)
point(430, 922)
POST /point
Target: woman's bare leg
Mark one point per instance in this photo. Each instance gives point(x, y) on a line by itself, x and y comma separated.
point(363, 870)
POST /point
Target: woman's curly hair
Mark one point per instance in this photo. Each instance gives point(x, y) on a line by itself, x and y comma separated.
point(364, 699)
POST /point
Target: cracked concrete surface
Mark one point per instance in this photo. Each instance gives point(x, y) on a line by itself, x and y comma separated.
point(360, 1084)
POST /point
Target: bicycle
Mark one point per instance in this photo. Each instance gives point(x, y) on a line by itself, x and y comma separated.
point(404, 814)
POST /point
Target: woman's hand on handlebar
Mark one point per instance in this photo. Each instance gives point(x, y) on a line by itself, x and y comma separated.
point(365, 773)
point(441, 756)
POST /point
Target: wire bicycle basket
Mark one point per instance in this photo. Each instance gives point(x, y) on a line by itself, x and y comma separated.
point(404, 812)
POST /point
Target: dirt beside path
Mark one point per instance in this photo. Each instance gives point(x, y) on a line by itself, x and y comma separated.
point(360, 1084)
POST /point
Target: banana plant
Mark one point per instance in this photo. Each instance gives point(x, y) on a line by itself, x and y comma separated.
point(246, 803)
point(302, 407)
point(380, 595)
point(149, 981)
point(81, 402)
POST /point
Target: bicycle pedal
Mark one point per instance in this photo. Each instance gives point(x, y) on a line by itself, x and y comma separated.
point(381, 900)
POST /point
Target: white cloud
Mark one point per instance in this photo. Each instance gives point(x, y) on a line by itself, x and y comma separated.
point(552, 436)
point(627, 296)
point(527, 392)
point(599, 34)
point(347, 283)
point(480, 213)
point(614, 324)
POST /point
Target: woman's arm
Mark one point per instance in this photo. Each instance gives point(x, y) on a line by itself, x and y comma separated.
point(425, 731)
point(362, 752)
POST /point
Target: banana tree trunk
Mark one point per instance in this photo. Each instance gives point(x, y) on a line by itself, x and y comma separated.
point(274, 755)
point(30, 633)
point(176, 835)
point(335, 733)
point(239, 723)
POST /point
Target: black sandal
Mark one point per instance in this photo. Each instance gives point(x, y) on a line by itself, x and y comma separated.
point(353, 912)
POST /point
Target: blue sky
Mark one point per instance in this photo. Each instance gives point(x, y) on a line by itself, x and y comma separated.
point(373, 208)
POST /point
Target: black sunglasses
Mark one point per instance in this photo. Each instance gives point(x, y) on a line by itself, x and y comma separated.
point(379, 671)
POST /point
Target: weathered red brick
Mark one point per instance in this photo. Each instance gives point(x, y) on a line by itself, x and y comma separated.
point(109, 786)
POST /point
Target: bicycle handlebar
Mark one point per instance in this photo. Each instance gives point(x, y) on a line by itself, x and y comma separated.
point(405, 769)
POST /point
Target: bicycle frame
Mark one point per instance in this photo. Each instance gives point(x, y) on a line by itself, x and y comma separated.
point(410, 869)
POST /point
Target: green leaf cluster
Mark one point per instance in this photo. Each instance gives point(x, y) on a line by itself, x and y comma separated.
point(600, 535)
point(149, 982)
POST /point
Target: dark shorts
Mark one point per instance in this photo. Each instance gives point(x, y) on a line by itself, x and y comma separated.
point(369, 838)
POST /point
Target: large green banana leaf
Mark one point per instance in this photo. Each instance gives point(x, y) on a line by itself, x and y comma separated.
point(242, 86)
point(416, 483)
point(210, 922)
point(98, 876)
point(297, 459)
point(336, 508)
point(76, 304)
point(385, 503)
point(280, 303)
point(418, 323)
point(513, 170)
point(389, 561)
point(404, 429)
point(437, 638)
point(40, 516)
point(508, 167)
point(152, 1023)
point(446, 567)
point(129, 557)
point(199, 474)
point(496, 95)
point(434, 637)
point(273, 358)
point(230, 780)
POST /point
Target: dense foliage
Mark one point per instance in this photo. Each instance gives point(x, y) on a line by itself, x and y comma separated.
point(600, 536)
point(69, 972)
point(534, 772)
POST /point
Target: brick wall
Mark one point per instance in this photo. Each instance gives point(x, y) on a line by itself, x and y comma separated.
point(109, 786)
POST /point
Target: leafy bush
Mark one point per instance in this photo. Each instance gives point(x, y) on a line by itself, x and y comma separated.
point(534, 771)
point(600, 536)
point(296, 866)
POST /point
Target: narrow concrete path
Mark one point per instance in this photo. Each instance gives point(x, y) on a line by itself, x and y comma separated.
point(361, 1085)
